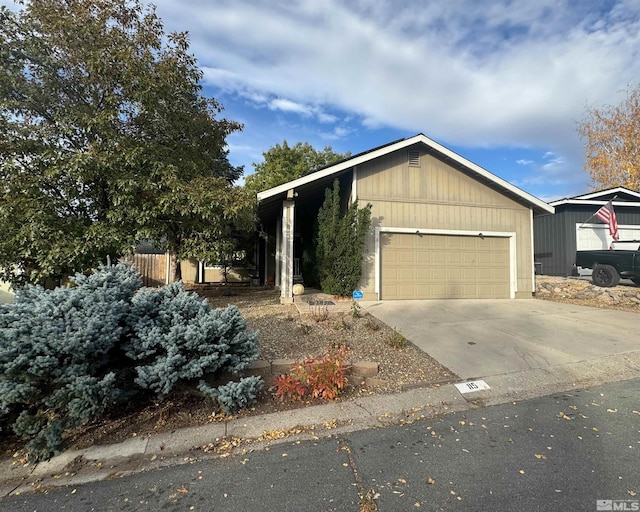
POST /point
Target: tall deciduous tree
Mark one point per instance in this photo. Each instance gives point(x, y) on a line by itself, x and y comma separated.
point(106, 139)
point(283, 163)
point(612, 146)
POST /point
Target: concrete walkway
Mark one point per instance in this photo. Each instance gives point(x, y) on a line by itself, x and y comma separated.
point(480, 338)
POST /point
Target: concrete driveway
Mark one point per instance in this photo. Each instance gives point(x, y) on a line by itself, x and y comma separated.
point(480, 338)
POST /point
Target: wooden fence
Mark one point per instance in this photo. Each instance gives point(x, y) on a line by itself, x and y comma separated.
point(152, 268)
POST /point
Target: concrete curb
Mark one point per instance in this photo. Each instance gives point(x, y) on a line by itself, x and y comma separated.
point(185, 445)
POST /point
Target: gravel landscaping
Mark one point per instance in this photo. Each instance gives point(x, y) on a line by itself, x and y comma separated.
point(286, 333)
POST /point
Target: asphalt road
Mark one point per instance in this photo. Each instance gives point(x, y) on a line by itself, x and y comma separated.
point(561, 452)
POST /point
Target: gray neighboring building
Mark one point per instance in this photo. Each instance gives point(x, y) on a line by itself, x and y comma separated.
point(574, 227)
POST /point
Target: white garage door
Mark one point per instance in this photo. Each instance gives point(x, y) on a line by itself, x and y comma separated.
point(444, 267)
point(596, 237)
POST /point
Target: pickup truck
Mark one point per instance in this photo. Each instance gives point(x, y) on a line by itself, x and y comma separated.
point(609, 266)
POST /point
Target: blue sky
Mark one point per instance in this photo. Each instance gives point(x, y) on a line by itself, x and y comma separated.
point(503, 83)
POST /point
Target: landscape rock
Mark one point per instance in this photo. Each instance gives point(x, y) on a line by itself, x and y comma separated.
point(582, 291)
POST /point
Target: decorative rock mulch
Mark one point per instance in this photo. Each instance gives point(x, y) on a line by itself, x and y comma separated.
point(568, 289)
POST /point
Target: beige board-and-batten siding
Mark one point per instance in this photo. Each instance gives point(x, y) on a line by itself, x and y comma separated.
point(438, 199)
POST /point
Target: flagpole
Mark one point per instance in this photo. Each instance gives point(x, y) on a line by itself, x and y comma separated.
point(580, 226)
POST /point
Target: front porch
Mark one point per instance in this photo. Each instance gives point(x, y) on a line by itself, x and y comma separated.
point(288, 220)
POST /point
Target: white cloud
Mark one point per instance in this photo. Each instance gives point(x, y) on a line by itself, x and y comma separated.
point(522, 161)
point(465, 73)
point(289, 106)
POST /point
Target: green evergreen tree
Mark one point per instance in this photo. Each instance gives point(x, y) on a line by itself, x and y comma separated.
point(340, 243)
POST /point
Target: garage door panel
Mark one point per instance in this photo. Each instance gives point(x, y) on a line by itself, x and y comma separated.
point(422, 274)
point(484, 258)
point(438, 274)
point(406, 274)
point(406, 257)
point(444, 266)
point(455, 274)
point(470, 274)
point(438, 257)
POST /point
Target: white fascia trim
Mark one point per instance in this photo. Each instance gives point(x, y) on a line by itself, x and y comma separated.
point(608, 191)
point(594, 202)
point(395, 147)
point(603, 226)
point(533, 256)
point(354, 185)
point(511, 235)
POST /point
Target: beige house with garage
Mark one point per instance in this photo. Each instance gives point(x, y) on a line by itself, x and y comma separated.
point(441, 226)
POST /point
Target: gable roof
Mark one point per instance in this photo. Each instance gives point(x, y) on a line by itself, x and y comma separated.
point(337, 168)
point(625, 196)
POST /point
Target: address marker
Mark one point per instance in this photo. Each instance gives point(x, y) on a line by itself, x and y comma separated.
point(471, 386)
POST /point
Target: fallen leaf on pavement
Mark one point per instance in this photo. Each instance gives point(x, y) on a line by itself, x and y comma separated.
point(431, 481)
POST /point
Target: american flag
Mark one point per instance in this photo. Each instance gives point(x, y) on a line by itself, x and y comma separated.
point(607, 215)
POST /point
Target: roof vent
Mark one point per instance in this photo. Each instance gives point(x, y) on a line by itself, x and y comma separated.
point(414, 158)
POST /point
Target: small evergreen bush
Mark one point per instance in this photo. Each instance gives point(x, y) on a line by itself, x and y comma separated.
point(234, 395)
point(178, 337)
point(69, 354)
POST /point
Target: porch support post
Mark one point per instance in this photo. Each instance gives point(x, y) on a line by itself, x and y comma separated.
point(286, 268)
point(278, 253)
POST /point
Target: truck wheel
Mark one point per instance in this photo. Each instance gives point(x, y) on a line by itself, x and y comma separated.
point(605, 276)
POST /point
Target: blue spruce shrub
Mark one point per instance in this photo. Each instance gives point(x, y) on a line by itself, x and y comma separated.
point(234, 395)
point(69, 354)
point(56, 349)
point(178, 337)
